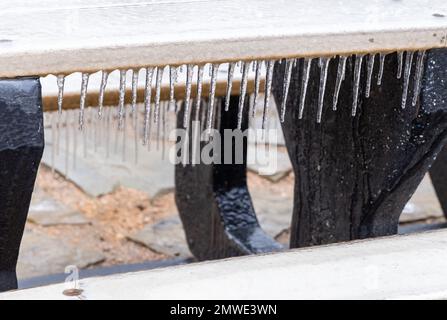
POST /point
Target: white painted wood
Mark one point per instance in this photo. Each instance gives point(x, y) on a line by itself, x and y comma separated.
point(400, 267)
point(89, 36)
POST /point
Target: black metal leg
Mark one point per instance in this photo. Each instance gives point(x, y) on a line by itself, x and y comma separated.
point(21, 148)
point(438, 175)
point(215, 205)
point(354, 175)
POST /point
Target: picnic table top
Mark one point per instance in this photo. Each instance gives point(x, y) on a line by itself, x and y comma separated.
point(52, 37)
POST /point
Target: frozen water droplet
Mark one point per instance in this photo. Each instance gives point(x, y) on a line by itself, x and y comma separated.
point(257, 85)
point(122, 95)
point(369, 72)
point(381, 67)
point(189, 74)
point(214, 69)
point(147, 103)
point(341, 72)
point(199, 91)
point(357, 74)
point(418, 77)
point(304, 83)
point(324, 65)
point(84, 85)
point(245, 66)
point(400, 64)
point(286, 85)
point(268, 90)
point(407, 74)
point(102, 89)
point(231, 67)
point(159, 79)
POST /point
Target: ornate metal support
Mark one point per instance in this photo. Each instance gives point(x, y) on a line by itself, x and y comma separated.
point(21, 148)
point(215, 204)
point(354, 175)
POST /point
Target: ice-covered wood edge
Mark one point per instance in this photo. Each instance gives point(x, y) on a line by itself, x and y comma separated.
point(80, 37)
point(399, 267)
point(72, 89)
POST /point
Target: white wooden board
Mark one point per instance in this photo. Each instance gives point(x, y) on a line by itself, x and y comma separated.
point(64, 37)
point(400, 267)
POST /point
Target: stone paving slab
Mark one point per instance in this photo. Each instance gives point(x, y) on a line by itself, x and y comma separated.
point(166, 236)
point(42, 254)
point(47, 211)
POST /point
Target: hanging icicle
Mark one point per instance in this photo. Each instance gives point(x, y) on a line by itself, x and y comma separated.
point(304, 83)
point(102, 89)
point(147, 103)
point(418, 77)
point(268, 91)
point(84, 86)
point(231, 67)
point(324, 65)
point(286, 84)
point(189, 74)
point(242, 96)
point(357, 73)
point(341, 72)
point(407, 74)
point(369, 72)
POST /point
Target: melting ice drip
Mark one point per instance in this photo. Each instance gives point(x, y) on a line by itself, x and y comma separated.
point(202, 107)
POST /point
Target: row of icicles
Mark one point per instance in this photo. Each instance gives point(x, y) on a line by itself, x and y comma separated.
point(256, 67)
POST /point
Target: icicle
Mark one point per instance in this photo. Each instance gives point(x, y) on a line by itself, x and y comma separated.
point(400, 64)
point(199, 91)
point(381, 67)
point(407, 74)
point(243, 93)
point(253, 66)
point(186, 113)
point(257, 85)
point(102, 89)
point(147, 103)
point(418, 77)
point(214, 69)
point(84, 85)
point(286, 85)
point(60, 98)
point(60, 93)
point(136, 134)
point(134, 91)
point(122, 95)
point(172, 81)
point(341, 72)
point(324, 65)
point(304, 83)
point(268, 90)
point(157, 94)
point(369, 72)
point(231, 67)
point(357, 73)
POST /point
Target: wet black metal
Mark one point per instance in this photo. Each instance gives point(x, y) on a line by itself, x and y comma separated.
point(354, 175)
point(21, 148)
point(214, 202)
